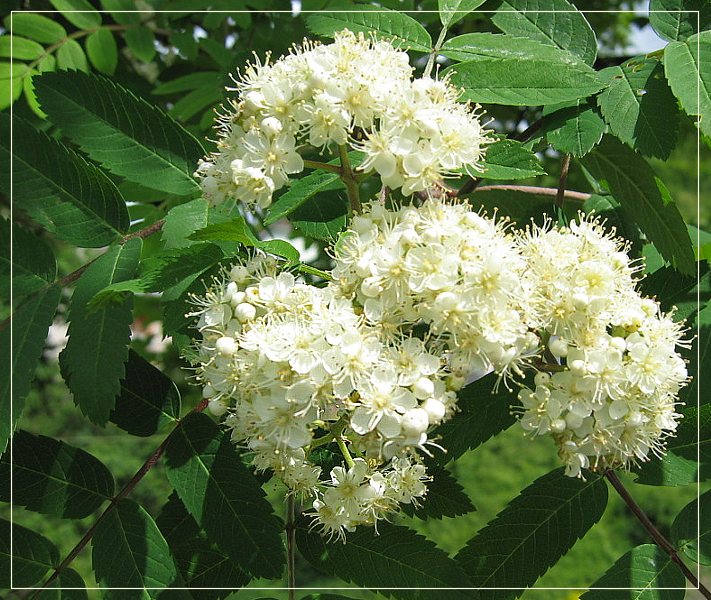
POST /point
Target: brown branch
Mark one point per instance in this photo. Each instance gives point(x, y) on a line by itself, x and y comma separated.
point(564, 166)
point(540, 191)
point(657, 535)
point(125, 491)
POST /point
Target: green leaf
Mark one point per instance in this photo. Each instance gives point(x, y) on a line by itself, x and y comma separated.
point(633, 183)
point(688, 68)
point(36, 27)
point(71, 57)
point(531, 534)
point(678, 19)
point(691, 530)
point(128, 551)
point(509, 159)
point(54, 478)
point(395, 557)
point(514, 82)
point(32, 262)
point(10, 89)
point(184, 220)
point(30, 557)
point(29, 89)
point(68, 586)
point(29, 328)
point(93, 360)
point(119, 12)
point(640, 108)
point(445, 498)
point(554, 22)
point(148, 400)
point(322, 217)
point(451, 11)
point(102, 51)
point(299, 192)
point(646, 569)
point(17, 48)
point(574, 129)
point(190, 82)
point(59, 189)
point(474, 46)
point(224, 497)
point(141, 42)
point(201, 564)
point(482, 414)
point(193, 102)
point(128, 136)
point(688, 455)
point(88, 18)
point(700, 353)
point(383, 23)
point(237, 230)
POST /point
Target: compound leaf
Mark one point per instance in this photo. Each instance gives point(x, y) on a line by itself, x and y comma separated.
point(128, 136)
point(93, 361)
point(533, 532)
point(224, 497)
point(54, 478)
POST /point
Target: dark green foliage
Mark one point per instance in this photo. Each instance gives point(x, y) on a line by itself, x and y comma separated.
point(93, 360)
point(573, 128)
point(508, 159)
point(320, 218)
point(483, 413)
point(128, 550)
point(69, 585)
point(445, 498)
point(201, 564)
point(679, 19)
point(58, 189)
point(300, 191)
point(148, 400)
point(125, 134)
point(390, 25)
point(514, 82)
point(559, 24)
point(396, 557)
point(533, 532)
point(184, 220)
point(31, 556)
point(644, 569)
point(224, 497)
point(691, 530)
point(639, 107)
point(23, 339)
point(680, 466)
point(32, 263)
point(54, 478)
point(645, 198)
point(688, 69)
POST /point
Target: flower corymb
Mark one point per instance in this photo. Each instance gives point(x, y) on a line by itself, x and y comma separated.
point(356, 93)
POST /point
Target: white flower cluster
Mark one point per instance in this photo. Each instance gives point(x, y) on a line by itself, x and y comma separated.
point(356, 93)
point(422, 300)
point(290, 361)
point(616, 375)
point(449, 268)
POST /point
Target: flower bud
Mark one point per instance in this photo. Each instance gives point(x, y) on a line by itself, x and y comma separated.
point(558, 348)
point(245, 312)
point(226, 346)
point(415, 421)
point(217, 407)
point(435, 410)
point(423, 388)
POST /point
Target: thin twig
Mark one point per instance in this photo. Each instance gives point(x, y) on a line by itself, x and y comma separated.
point(315, 164)
point(349, 178)
point(540, 191)
point(433, 55)
point(67, 280)
point(564, 166)
point(290, 546)
point(657, 535)
point(125, 491)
